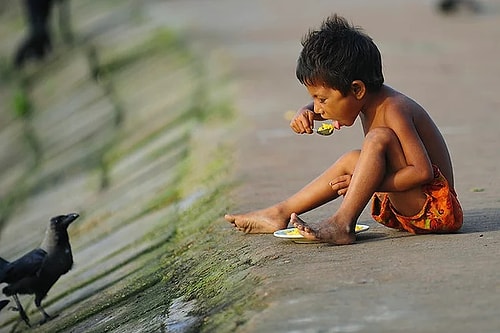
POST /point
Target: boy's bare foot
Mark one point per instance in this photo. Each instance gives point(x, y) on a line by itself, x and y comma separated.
point(327, 231)
point(264, 221)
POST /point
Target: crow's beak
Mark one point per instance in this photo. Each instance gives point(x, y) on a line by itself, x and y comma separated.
point(70, 218)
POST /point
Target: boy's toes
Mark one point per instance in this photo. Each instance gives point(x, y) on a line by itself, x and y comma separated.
point(231, 219)
point(302, 226)
point(296, 221)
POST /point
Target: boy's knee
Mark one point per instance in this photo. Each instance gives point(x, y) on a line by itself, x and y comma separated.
point(380, 136)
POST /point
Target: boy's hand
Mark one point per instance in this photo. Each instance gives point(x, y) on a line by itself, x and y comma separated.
point(303, 121)
point(341, 184)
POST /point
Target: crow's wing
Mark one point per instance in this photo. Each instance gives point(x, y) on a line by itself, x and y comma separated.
point(27, 265)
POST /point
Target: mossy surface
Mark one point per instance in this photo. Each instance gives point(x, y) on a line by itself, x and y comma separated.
point(186, 256)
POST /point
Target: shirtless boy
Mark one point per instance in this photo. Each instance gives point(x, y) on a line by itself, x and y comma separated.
point(403, 165)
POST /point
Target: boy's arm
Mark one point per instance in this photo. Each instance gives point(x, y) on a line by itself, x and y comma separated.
point(310, 107)
point(417, 168)
point(303, 121)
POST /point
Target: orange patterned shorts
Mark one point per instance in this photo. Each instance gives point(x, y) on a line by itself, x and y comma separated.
point(441, 212)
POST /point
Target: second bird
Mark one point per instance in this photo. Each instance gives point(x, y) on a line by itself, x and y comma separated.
point(38, 270)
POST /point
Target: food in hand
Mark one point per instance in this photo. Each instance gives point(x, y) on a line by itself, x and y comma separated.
point(325, 129)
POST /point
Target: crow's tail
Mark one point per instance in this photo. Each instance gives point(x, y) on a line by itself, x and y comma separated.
point(3, 303)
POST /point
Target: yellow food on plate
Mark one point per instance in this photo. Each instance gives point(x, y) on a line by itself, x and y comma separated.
point(295, 231)
point(292, 232)
point(359, 228)
point(325, 129)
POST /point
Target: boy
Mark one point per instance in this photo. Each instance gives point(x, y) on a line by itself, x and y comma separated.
point(403, 164)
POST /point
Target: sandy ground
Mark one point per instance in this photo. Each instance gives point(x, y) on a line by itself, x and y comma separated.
point(389, 281)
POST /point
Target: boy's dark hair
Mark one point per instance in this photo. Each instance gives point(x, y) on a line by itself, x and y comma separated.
point(337, 54)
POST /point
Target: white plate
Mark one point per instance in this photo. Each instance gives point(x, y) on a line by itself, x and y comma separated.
point(293, 234)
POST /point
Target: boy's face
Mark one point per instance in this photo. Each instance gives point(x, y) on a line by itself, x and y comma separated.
point(331, 104)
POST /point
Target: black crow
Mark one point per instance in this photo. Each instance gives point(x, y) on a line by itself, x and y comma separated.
point(38, 270)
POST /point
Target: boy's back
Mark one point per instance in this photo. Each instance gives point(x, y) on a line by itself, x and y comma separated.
point(391, 102)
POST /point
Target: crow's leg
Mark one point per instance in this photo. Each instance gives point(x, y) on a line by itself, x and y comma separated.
point(45, 315)
point(21, 310)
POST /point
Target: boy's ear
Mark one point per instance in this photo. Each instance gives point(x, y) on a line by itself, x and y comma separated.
point(358, 89)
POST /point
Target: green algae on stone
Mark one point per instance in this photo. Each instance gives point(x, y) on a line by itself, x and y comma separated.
point(21, 103)
point(175, 264)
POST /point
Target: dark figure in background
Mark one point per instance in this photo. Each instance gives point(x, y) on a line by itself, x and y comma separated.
point(38, 43)
point(38, 270)
point(450, 6)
